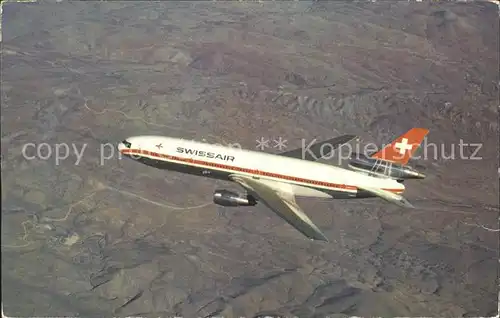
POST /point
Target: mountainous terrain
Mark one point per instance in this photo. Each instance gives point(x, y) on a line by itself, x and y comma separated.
point(88, 234)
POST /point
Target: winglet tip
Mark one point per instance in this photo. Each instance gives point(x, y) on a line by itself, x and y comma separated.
point(323, 238)
point(320, 238)
point(407, 204)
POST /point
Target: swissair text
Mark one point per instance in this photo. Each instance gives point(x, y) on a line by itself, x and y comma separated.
point(206, 154)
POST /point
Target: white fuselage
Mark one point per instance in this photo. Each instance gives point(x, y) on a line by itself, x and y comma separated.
point(300, 177)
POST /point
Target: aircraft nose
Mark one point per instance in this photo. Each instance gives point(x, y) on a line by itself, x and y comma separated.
point(125, 144)
point(121, 146)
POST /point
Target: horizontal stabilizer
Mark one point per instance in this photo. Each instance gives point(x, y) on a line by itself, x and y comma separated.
point(389, 196)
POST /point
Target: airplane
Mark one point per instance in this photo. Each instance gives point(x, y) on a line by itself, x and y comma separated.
point(277, 179)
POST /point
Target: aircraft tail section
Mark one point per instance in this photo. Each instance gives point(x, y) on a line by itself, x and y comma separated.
point(401, 149)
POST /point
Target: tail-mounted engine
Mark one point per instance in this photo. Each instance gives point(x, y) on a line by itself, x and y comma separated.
point(382, 168)
point(228, 198)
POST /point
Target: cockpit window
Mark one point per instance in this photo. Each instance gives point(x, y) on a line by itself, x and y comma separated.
point(127, 144)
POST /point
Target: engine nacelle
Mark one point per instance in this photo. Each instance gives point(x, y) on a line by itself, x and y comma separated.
point(383, 168)
point(228, 198)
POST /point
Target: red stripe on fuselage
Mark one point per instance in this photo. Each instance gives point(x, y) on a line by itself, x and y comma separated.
point(208, 164)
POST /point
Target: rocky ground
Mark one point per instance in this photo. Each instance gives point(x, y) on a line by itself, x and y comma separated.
point(94, 238)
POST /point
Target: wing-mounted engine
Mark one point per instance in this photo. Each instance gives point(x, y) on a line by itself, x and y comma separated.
point(228, 198)
point(383, 168)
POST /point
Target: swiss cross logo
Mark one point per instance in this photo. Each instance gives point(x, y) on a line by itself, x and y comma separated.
point(403, 146)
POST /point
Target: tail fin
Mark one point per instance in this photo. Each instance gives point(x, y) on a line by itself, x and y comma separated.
point(401, 149)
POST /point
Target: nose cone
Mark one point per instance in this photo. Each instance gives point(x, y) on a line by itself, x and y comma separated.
point(121, 147)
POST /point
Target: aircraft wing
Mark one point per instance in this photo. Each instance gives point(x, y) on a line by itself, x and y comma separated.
point(282, 204)
point(389, 196)
point(314, 152)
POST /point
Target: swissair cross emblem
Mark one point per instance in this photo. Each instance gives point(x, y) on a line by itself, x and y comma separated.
point(403, 146)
